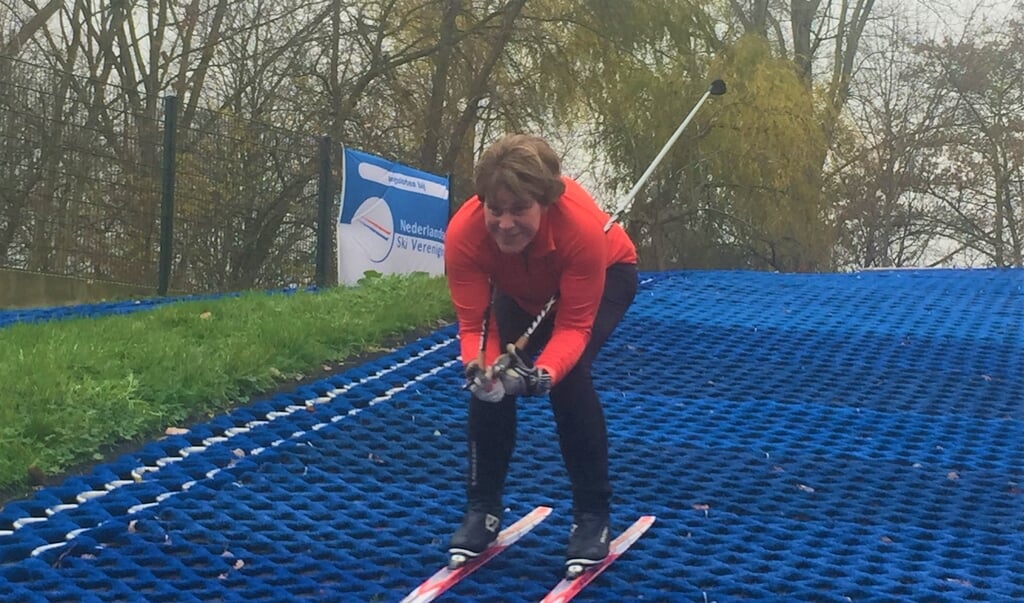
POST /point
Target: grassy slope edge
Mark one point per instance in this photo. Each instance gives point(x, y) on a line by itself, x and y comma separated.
point(77, 390)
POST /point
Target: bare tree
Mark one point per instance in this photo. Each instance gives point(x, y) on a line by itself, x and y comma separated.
point(979, 187)
point(24, 31)
point(881, 166)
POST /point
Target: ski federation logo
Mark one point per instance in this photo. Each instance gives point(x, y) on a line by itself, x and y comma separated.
point(376, 232)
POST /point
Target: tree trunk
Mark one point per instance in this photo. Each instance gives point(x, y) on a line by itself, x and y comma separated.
point(433, 119)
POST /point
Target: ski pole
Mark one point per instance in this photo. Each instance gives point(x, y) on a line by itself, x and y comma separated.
point(484, 328)
point(499, 366)
point(525, 337)
point(717, 88)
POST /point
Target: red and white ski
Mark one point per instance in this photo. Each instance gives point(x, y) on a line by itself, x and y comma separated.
point(567, 589)
point(445, 578)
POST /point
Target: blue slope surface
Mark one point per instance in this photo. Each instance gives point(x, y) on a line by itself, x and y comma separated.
point(855, 437)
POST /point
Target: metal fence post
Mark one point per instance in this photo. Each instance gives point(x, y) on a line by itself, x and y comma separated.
point(451, 195)
point(167, 194)
point(323, 222)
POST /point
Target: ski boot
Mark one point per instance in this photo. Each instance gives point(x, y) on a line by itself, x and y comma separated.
point(588, 543)
point(478, 531)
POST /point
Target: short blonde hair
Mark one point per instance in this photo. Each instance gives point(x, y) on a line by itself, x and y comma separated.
point(522, 164)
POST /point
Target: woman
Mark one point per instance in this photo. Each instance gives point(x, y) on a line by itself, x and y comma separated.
point(529, 234)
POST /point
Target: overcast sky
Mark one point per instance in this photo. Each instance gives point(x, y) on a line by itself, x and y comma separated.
point(949, 16)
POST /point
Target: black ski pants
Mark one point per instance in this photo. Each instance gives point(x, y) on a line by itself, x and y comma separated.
point(579, 418)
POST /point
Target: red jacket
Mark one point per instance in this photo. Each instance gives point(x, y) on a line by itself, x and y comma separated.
point(568, 256)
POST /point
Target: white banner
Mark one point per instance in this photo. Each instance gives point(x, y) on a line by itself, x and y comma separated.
point(391, 218)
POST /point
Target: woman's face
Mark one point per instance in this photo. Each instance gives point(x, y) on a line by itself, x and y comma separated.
point(512, 222)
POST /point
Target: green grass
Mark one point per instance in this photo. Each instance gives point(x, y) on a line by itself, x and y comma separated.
point(73, 388)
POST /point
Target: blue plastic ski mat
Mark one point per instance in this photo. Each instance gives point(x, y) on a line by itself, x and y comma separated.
point(855, 437)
